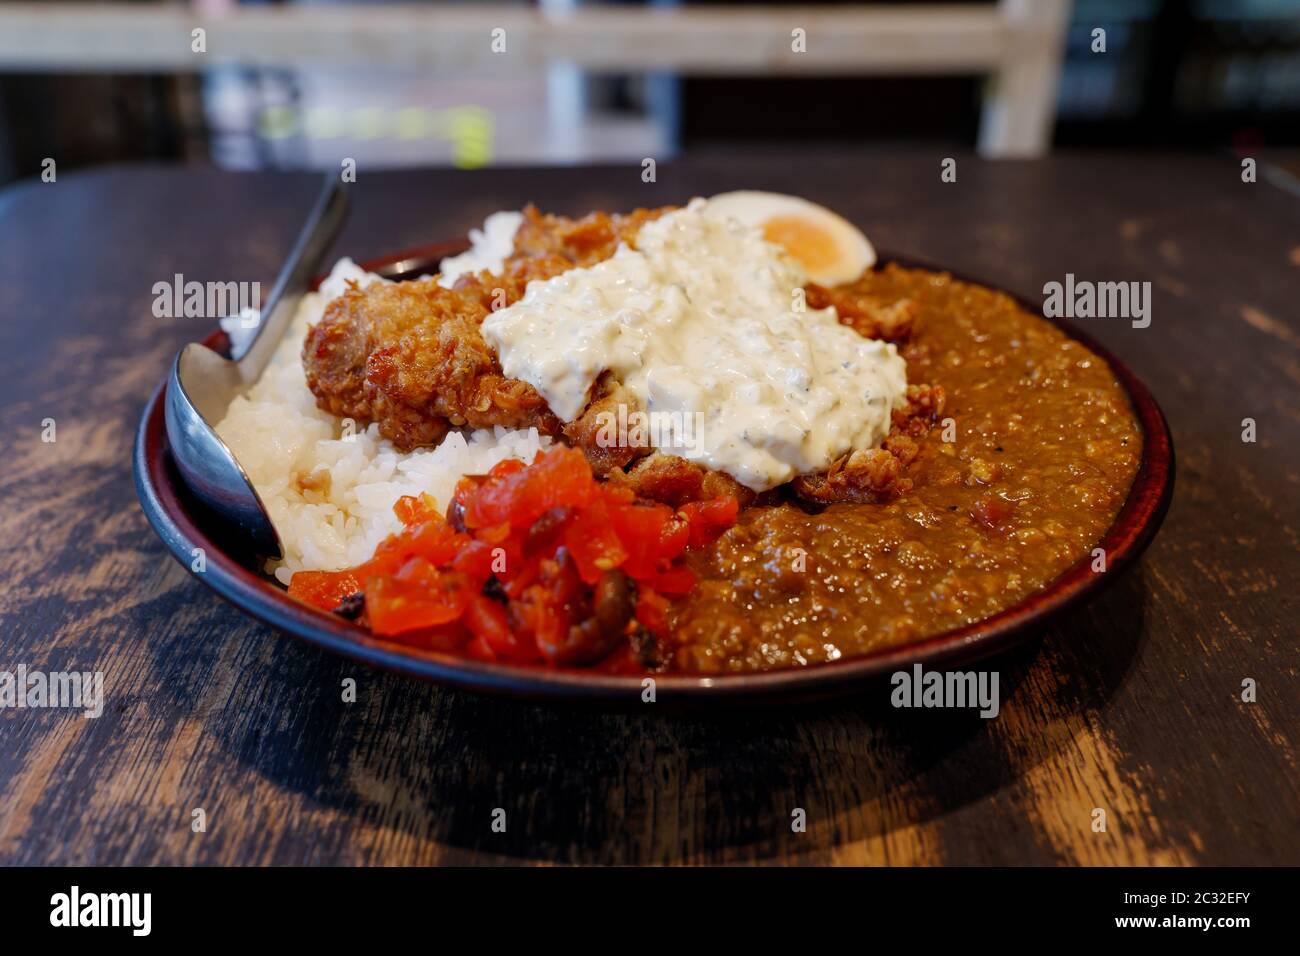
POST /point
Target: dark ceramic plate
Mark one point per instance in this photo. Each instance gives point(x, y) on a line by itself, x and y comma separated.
point(231, 572)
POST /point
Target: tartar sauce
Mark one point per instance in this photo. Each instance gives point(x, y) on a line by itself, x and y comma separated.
point(705, 316)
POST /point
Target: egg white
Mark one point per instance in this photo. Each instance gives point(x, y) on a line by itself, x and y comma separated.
point(854, 254)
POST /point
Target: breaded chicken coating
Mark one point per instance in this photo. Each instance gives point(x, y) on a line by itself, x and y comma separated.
point(411, 357)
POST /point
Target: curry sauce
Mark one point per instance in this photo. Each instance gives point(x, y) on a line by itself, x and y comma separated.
point(1031, 464)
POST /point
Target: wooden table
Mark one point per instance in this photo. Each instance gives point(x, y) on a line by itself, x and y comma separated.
point(1133, 705)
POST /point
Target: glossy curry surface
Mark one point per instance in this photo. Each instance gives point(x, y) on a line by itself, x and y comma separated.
point(1032, 463)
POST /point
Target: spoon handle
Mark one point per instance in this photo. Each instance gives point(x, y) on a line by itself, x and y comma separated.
point(318, 234)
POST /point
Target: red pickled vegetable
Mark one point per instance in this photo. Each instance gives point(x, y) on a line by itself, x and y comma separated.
point(559, 476)
point(514, 569)
point(419, 595)
point(593, 541)
point(325, 589)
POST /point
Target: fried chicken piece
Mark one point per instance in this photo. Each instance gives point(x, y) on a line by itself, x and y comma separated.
point(924, 404)
point(870, 475)
point(867, 476)
point(651, 474)
point(590, 431)
point(675, 481)
point(584, 242)
point(495, 290)
point(867, 315)
point(410, 357)
point(876, 474)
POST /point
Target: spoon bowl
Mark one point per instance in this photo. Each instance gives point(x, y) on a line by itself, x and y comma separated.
point(203, 384)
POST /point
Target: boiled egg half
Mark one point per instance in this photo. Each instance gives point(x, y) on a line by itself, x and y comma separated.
point(829, 247)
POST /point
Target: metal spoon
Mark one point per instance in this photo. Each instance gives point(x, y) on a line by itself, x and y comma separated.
point(414, 268)
point(203, 383)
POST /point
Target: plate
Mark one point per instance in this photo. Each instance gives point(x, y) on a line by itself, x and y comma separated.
point(232, 572)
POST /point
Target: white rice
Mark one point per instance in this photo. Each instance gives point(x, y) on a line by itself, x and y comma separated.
point(489, 248)
point(286, 444)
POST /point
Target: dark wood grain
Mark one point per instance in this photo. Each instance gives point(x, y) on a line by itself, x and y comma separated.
point(1132, 705)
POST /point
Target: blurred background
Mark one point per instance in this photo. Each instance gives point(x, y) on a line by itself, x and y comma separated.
point(297, 85)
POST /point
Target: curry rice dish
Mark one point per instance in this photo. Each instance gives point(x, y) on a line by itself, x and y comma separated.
point(881, 459)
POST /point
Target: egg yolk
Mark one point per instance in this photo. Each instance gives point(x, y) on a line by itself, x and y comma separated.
point(814, 248)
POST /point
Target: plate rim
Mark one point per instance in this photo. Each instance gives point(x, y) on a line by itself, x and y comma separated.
point(1124, 541)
